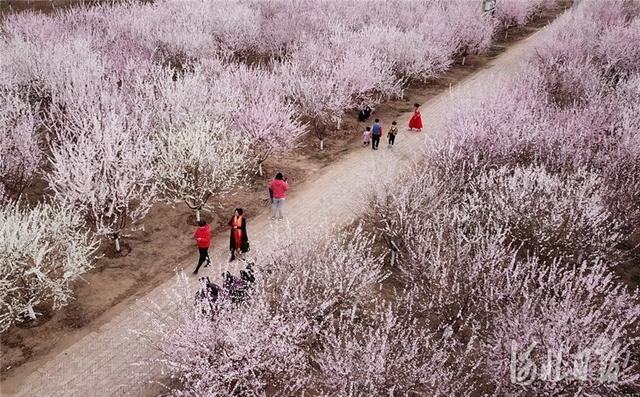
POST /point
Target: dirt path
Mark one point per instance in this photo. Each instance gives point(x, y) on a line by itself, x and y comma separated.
point(99, 364)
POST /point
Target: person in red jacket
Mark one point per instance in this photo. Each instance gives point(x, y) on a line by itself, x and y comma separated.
point(203, 239)
point(279, 187)
point(416, 119)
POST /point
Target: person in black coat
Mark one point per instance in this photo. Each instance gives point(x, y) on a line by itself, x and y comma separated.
point(364, 114)
point(238, 241)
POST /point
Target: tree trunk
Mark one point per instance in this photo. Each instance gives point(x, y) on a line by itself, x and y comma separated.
point(197, 214)
point(321, 144)
point(393, 258)
point(464, 58)
point(117, 242)
point(260, 172)
point(339, 122)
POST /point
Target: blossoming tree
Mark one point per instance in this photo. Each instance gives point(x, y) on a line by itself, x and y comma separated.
point(42, 250)
point(20, 145)
point(103, 165)
point(199, 161)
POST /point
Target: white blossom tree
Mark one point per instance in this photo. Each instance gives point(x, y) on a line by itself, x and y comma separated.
point(42, 250)
point(199, 161)
point(103, 165)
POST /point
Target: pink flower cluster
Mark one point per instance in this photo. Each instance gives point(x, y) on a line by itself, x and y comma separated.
point(573, 109)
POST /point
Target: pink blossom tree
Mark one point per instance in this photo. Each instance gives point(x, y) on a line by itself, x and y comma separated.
point(319, 96)
point(461, 28)
point(458, 267)
point(20, 145)
point(343, 275)
point(567, 220)
point(570, 110)
point(382, 353)
point(260, 111)
point(286, 316)
point(510, 13)
point(563, 330)
point(238, 350)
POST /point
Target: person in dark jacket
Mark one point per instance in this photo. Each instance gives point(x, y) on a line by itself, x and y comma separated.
point(202, 236)
point(238, 241)
point(364, 114)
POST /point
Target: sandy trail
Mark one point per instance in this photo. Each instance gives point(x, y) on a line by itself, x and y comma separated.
point(100, 363)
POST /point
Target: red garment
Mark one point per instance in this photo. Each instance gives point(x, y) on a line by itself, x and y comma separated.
point(279, 188)
point(236, 224)
point(416, 120)
point(203, 236)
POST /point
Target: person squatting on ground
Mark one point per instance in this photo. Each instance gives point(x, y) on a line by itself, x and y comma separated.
point(364, 114)
point(279, 187)
point(392, 133)
point(376, 133)
point(203, 239)
point(366, 136)
point(207, 296)
point(238, 240)
point(416, 119)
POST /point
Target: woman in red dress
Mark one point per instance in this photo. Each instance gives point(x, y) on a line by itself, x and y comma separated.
point(416, 119)
point(238, 241)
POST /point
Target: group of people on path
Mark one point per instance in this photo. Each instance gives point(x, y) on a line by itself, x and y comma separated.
point(372, 135)
point(238, 239)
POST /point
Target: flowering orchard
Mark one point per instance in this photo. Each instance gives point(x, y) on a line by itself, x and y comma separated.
point(488, 270)
point(305, 328)
point(119, 106)
point(572, 112)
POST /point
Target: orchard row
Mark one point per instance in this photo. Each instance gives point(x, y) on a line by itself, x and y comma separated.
point(486, 271)
point(119, 106)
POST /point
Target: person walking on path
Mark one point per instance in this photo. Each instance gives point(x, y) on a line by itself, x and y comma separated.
point(203, 239)
point(392, 134)
point(366, 136)
point(279, 186)
point(376, 133)
point(416, 119)
point(238, 240)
